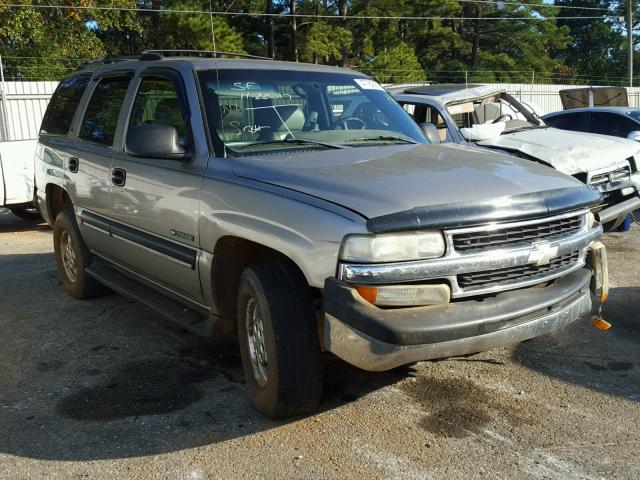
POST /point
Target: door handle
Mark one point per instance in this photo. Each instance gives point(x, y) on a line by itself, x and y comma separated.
point(118, 177)
point(74, 164)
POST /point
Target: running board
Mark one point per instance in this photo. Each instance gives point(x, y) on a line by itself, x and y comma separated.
point(194, 319)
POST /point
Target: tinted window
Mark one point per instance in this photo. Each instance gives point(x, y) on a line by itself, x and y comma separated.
point(63, 105)
point(578, 122)
point(612, 124)
point(157, 103)
point(101, 118)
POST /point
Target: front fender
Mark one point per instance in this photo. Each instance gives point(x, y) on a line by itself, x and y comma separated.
point(310, 236)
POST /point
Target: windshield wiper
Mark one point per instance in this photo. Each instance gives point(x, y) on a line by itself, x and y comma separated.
point(525, 127)
point(381, 138)
point(289, 141)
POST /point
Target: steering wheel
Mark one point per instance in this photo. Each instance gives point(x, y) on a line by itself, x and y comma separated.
point(344, 122)
point(503, 117)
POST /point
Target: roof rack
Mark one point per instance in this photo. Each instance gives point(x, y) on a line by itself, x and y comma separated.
point(109, 60)
point(160, 54)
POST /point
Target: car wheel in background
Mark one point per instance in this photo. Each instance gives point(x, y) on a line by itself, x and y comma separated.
point(25, 213)
point(278, 340)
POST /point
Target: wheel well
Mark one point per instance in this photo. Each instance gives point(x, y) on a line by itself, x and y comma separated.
point(57, 200)
point(231, 256)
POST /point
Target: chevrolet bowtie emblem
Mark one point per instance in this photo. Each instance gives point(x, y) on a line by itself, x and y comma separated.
point(542, 253)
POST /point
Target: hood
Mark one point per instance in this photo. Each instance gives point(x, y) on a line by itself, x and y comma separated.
point(375, 181)
point(567, 151)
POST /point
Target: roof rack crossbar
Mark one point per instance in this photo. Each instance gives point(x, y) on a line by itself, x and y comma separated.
point(109, 60)
point(195, 53)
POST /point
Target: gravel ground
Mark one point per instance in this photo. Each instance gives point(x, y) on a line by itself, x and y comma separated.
point(104, 389)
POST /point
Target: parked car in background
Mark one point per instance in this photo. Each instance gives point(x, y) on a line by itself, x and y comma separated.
point(490, 118)
point(621, 122)
point(17, 189)
point(300, 206)
point(22, 105)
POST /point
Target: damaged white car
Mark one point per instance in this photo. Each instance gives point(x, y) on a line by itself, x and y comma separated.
point(488, 117)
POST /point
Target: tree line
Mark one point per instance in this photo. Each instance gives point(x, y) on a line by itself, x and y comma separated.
point(569, 41)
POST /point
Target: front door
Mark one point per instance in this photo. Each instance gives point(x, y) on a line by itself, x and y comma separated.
point(155, 202)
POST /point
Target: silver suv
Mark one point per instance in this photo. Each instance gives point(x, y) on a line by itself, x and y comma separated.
point(246, 195)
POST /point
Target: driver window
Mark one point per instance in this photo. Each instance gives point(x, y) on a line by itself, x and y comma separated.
point(157, 103)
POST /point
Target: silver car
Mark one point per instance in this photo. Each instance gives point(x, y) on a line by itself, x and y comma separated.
point(488, 117)
point(254, 196)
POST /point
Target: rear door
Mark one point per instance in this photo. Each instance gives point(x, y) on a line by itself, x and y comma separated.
point(155, 202)
point(90, 155)
point(55, 138)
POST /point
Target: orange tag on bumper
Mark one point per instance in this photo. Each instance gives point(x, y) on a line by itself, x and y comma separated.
point(600, 323)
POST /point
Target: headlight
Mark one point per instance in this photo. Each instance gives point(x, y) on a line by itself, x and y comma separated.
point(392, 247)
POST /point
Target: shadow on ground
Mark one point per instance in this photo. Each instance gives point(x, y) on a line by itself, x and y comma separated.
point(606, 361)
point(10, 223)
point(104, 378)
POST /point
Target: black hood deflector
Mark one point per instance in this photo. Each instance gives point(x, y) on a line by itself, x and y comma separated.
point(464, 214)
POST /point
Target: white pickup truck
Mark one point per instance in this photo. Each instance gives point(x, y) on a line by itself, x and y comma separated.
point(22, 105)
point(16, 177)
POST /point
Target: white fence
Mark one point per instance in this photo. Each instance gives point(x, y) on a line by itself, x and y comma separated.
point(547, 98)
point(22, 106)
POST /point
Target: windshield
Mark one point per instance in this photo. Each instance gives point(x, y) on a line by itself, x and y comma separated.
point(494, 109)
point(257, 110)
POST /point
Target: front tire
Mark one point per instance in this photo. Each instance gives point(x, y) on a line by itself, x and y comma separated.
point(72, 256)
point(278, 340)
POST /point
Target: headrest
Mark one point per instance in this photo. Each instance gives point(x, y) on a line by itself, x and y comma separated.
point(292, 115)
point(431, 131)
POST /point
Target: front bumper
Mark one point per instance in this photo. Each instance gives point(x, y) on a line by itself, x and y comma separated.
point(619, 210)
point(376, 339)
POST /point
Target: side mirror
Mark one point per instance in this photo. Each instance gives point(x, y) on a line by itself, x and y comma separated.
point(155, 141)
point(635, 135)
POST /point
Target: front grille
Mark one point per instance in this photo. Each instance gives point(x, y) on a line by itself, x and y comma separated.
point(516, 235)
point(516, 274)
point(614, 176)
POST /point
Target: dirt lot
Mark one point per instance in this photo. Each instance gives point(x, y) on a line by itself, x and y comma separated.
point(104, 389)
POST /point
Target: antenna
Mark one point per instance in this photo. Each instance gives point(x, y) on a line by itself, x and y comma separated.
point(213, 35)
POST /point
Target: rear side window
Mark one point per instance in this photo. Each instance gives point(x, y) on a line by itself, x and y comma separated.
point(101, 118)
point(612, 124)
point(63, 105)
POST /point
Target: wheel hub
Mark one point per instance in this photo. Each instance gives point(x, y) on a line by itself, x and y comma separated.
point(68, 254)
point(255, 337)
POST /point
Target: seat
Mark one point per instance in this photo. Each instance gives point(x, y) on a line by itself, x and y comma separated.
point(431, 131)
point(278, 121)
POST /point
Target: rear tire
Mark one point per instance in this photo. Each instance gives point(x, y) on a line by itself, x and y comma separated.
point(72, 256)
point(278, 340)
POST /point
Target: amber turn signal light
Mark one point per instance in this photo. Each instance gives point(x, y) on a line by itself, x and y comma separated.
point(368, 293)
